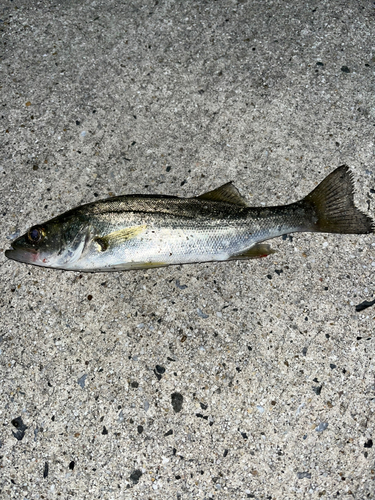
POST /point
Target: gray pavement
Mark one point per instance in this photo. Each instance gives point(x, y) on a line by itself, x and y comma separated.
point(250, 379)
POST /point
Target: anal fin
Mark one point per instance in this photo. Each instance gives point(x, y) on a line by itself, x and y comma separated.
point(255, 252)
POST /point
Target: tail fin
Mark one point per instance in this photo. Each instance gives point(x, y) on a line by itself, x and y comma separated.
point(333, 204)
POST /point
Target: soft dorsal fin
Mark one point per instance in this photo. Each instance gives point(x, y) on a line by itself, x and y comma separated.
point(226, 193)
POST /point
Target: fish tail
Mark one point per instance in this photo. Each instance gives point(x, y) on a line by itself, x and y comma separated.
point(332, 203)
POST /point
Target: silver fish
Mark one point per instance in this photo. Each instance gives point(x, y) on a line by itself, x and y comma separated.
point(144, 231)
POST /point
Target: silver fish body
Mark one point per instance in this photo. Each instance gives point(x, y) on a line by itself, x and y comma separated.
point(141, 231)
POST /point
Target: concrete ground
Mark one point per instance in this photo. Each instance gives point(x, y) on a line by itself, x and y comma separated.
point(249, 379)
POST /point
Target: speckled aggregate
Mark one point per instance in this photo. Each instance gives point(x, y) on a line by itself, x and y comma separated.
point(209, 381)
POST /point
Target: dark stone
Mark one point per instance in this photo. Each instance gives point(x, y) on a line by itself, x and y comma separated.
point(181, 287)
point(345, 69)
point(168, 169)
point(332, 366)
point(304, 351)
point(287, 237)
point(140, 429)
point(160, 369)
point(78, 122)
point(302, 475)
point(134, 384)
point(364, 305)
point(278, 271)
point(319, 63)
point(368, 443)
point(104, 431)
point(203, 406)
point(177, 400)
point(225, 453)
point(244, 435)
point(169, 433)
point(21, 428)
point(45, 471)
point(158, 376)
point(269, 276)
point(71, 465)
point(135, 476)
point(318, 390)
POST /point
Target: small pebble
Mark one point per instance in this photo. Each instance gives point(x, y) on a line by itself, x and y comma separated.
point(81, 380)
point(202, 314)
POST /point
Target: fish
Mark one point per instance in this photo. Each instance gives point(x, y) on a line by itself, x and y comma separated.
point(147, 231)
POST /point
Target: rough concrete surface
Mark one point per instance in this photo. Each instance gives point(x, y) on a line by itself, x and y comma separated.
point(250, 379)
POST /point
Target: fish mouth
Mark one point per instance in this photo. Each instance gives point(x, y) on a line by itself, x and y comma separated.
point(26, 255)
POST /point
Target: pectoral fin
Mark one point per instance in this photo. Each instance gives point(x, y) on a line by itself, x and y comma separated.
point(226, 193)
point(118, 237)
point(255, 252)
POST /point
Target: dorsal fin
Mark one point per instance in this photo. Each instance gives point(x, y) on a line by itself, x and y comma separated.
point(226, 193)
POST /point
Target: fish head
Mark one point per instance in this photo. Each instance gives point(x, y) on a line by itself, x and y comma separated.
point(57, 243)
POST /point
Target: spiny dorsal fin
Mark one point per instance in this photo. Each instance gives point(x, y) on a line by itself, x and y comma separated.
point(226, 193)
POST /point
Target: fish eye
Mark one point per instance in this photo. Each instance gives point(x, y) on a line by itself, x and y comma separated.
point(35, 234)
